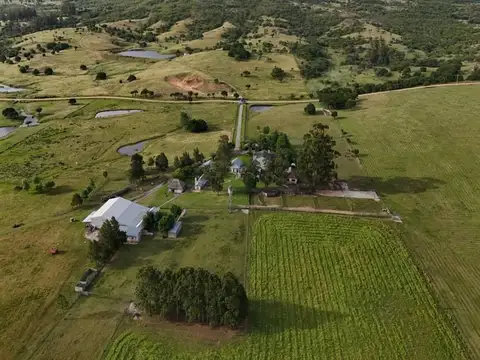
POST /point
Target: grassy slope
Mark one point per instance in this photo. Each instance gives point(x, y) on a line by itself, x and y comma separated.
point(339, 288)
point(419, 151)
point(86, 148)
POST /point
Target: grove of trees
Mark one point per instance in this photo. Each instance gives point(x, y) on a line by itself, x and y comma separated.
point(192, 295)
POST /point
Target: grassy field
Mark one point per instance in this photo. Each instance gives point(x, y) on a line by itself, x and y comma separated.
point(70, 146)
point(348, 293)
point(419, 153)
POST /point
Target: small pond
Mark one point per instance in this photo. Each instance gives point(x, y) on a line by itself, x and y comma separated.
point(9, 89)
point(260, 108)
point(109, 113)
point(4, 131)
point(129, 150)
point(146, 54)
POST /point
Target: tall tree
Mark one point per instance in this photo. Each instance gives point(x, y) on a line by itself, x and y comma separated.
point(110, 239)
point(250, 177)
point(161, 162)
point(316, 160)
point(216, 179)
point(76, 200)
point(136, 172)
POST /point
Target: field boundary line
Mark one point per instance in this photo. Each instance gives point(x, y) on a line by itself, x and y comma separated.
point(379, 215)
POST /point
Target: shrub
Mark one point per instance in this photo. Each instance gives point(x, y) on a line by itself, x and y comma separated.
point(101, 76)
point(36, 72)
point(310, 109)
point(48, 71)
point(72, 101)
point(22, 69)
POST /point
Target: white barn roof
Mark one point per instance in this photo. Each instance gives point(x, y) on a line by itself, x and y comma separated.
point(124, 211)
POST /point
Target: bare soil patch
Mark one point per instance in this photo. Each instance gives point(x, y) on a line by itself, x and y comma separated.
point(194, 82)
point(193, 331)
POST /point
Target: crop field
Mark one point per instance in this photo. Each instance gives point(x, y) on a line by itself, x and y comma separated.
point(342, 288)
point(419, 151)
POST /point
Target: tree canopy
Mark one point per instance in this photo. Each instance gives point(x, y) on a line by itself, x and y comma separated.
point(192, 295)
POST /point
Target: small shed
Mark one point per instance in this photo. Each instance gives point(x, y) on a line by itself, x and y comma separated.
point(237, 166)
point(175, 230)
point(292, 177)
point(176, 186)
point(87, 278)
point(200, 183)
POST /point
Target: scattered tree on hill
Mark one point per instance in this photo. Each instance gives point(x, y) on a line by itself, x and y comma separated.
point(316, 160)
point(76, 200)
point(131, 78)
point(192, 295)
point(238, 52)
point(150, 161)
point(36, 72)
point(278, 73)
point(22, 69)
point(38, 110)
point(83, 67)
point(136, 172)
point(49, 185)
point(101, 76)
point(105, 174)
point(134, 92)
point(161, 162)
point(248, 86)
point(72, 101)
point(110, 239)
point(334, 114)
point(224, 93)
point(382, 72)
point(48, 71)
point(310, 109)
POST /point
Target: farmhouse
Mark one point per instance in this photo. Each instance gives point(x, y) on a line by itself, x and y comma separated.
point(237, 166)
point(176, 186)
point(128, 214)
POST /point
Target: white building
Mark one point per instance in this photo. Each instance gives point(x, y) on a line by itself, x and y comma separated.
point(200, 183)
point(128, 214)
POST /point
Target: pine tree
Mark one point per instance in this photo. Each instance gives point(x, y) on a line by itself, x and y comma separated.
point(161, 162)
point(136, 172)
point(316, 163)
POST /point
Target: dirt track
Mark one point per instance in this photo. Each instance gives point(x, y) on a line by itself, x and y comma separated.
point(108, 97)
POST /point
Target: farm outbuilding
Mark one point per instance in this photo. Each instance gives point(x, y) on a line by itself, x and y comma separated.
point(176, 186)
point(128, 214)
point(175, 230)
point(200, 183)
point(237, 166)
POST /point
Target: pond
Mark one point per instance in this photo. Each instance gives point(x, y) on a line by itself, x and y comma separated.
point(146, 54)
point(108, 113)
point(260, 108)
point(131, 149)
point(9, 89)
point(4, 131)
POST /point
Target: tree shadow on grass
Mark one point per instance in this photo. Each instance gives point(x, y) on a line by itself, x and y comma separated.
point(61, 189)
point(272, 316)
point(395, 185)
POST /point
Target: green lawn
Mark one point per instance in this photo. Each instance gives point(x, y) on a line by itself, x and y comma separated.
point(339, 288)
